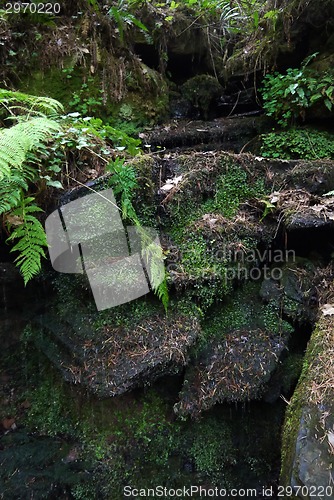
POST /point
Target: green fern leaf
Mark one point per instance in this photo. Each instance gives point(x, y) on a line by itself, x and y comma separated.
point(17, 141)
point(31, 239)
point(162, 293)
point(29, 104)
point(153, 257)
point(11, 189)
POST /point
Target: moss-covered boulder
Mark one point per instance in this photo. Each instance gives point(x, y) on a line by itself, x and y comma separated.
point(244, 340)
point(114, 351)
point(201, 91)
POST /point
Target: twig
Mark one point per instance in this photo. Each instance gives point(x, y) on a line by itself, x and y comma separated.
point(94, 191)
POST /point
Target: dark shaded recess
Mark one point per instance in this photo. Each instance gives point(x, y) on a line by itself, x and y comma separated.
point(168, 387)
point(311, 30)
point(238, 99)
point(312, 243)
point(5, 255)
point(148, 54)
point(181, 67)
point(299, 340)
point(292, 59)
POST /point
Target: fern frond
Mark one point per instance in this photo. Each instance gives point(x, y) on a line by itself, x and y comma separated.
point(31, 239)
point(162, 293)
point(153, 257)
point(30, 104)
point(15, 142)
point(11, 191)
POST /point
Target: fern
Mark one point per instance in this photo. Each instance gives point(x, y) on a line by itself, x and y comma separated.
point(161, 292)
point(29, 104)
point(153, 257)
point(17, 141)
point(20, 146)
point(124, 182)
point(11, 189)
point(31, 235)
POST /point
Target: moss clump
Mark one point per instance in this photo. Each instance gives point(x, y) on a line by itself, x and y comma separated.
point(201, 91)
point(105, 433)
point(213, 450)
point(291, 369)
point(61, 84)
point(244, 309)
point(221, 194)
point(291, 428)
point(144, 167)
point(49, 409)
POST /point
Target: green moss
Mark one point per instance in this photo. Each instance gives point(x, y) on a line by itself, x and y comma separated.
point(199, 265)
point(291, 369)
point(205, 274)
point(244, 309)
point(139, 100)
point(106, 430)
point(143, 108)
point(213, 450)
point(227, 191)
point(55, 82)
point(49, 409)
point(144, 167)
point(128, 314)
point(201, 91)
point(231, 190)
point(290, 433)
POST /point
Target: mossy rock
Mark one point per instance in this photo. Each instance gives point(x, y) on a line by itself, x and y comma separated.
point(202, 91)
point(112, 351)
point(242, 342)
point(307, 449)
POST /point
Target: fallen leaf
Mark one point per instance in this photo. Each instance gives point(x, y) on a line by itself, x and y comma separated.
point(166, 187)
point(327, 309)
point(8, 423)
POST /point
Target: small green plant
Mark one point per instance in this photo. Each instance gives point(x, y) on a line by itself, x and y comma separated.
point(87, 100)
point(297, 143)
point(124, 183)
point(124, 18)
point(268, 208)
point(287, 96)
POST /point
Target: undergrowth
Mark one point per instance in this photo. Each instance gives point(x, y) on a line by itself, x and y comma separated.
point(295, 143)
